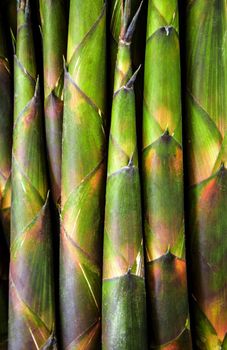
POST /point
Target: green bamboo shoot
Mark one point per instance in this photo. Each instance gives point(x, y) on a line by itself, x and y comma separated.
point(162, 165)
point(54, 33)
point(31, 297)
point(206, 45)
point(83, 176)
point(124, 298)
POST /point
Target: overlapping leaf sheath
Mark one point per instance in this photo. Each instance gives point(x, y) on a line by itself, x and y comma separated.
point(207, 161)
point(54, 48)
point(31, 309)
point(137, 46)
point(162, 164)
point(116, 7)
point(6, 124)
point(124, 298)
point(83, 176)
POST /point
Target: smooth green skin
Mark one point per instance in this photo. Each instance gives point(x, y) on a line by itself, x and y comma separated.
point(123, 298)
point(162, 167)
point(83, 176)
point(31, 297)
point(54, 34)
point(207, 161)
point(6, 124)
point(124, 303)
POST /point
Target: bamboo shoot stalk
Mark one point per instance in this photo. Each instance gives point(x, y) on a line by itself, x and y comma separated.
point(83, 176)
point(31, 296)
point(206, 136)
point(54, 34)
point(162, 166)
point(124, 298)
point(138, 42)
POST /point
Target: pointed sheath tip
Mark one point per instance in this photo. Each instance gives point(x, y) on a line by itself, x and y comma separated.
point(129, 271)
point(167, 30)
point(130, 162)
point(129, 85)
point(166, 137)
point(51, 342)
point(131, 81)
point(168, 256)
point(126, 35)
point(166, 131)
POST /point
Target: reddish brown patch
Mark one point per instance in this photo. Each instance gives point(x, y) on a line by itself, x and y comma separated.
point(173, 346)
point(14, 299)
point(155, 274)
point(164, 235)
point(96, 180)
point(178, 162)
point(89, 340)
point(215, 310)
point(210, 192)
point(24, 319)
point(114, 266)
point(69, 251)
point(152, 161)
point(54, 107)
point(51, 74)
point(30, 116)
point(76, 98)
point(180, 269)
